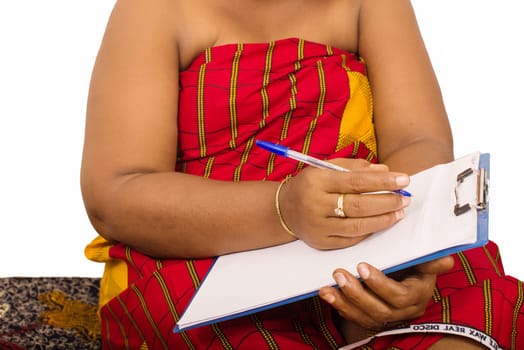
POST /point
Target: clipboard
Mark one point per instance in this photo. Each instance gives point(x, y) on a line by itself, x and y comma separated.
point(449, 213)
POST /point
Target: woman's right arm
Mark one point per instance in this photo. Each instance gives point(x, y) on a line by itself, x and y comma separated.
point(130, 190)
point(132, 193)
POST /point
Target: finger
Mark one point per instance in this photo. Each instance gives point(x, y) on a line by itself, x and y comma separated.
point(412, 292)
point(356, 227)
point(359, 164)
point(366, 181)
point(356, 164)
point(348, 301)
point(370, 304)
point(367, 205)
point(347, 310)
point(437, 266)
point(378, 167)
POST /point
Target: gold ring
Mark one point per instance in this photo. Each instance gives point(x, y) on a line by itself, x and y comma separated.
point(339, 210)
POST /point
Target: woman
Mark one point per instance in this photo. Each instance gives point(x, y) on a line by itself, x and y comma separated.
point(171, 177)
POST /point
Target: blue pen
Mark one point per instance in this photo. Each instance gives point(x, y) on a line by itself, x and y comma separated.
point(304, 158)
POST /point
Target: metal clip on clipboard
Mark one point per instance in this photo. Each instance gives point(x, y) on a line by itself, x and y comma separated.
point(482, 195)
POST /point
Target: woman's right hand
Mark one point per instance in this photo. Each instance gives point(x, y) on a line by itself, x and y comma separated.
point(308, 202)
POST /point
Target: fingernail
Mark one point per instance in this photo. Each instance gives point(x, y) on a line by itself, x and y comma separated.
point(402, 180)
point(363, 271)
point(406, 201)
point(330, 298)
point(340, 279)
point(399, 214)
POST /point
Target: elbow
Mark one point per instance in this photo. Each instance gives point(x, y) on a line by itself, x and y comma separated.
point(98, 221)
point(97, 204)
point(106, 202)
point(101, 226)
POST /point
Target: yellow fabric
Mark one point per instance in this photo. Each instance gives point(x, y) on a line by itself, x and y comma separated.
point(357, 120)
point(114, 280)
point(66, 313)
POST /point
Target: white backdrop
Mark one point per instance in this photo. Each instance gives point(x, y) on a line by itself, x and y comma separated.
point(47, 52)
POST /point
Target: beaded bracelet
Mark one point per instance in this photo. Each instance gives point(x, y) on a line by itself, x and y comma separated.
point(279, 213)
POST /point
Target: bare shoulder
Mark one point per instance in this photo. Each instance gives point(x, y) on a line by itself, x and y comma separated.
point(408, 105)
point(138, 15)
point(130, 111)
point(198, 24)
point(388, 26)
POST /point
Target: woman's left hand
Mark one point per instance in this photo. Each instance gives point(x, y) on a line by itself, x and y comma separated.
point(379, 299)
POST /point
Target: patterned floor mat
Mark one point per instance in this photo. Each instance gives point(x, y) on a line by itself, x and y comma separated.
point(49, 313)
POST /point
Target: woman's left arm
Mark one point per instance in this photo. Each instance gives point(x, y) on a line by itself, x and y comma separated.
point(413, 133)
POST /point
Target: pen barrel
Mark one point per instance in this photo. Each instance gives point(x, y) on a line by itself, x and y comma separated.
point(304, 158)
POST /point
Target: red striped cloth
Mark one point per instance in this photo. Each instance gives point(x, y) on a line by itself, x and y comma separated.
point(315, 99)
point(290, 91)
